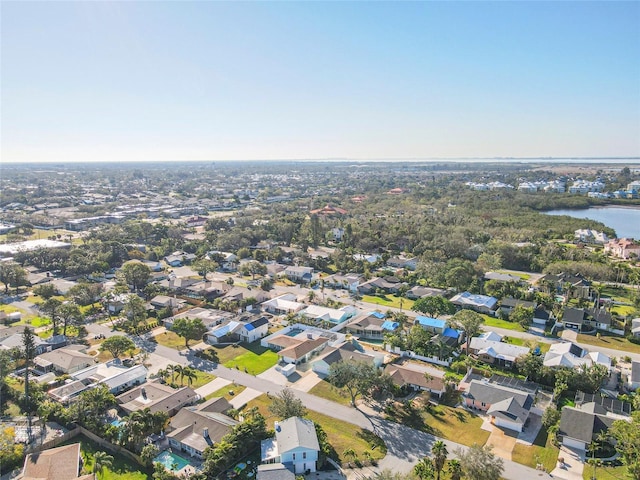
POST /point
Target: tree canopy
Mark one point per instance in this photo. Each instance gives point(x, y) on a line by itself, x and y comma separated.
point(189, 329)
point(117, 345)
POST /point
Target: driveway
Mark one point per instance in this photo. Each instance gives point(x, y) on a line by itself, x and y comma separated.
point(244, 397)
point(212, 386)
point(502, 441)
point(573, 464)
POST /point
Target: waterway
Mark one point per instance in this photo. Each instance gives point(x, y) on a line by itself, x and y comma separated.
point(624, 220)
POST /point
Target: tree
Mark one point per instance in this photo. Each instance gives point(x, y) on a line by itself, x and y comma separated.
point(434, 306)
point(424, 469)
point(12, 275)
point(50, 308)
point(70, 314)
point(204, 266)
point(148, 453)
point(285, 405)
point(469, 322)
point(440, 453)
point(358, 378)
point(253, 268)
point(135, 311)
point(455, 469)
point(28, 354)
point(189, 329)
point(45, 290)
point(85, 293)
point(117, 345)
point(101, 460)
point(136, 274)
point(550, 417)
point(627, 437)
point(350, 453)
point(522, 315)
point(479, 463)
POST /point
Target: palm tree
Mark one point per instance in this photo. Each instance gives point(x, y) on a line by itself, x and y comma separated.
point(455, 469)
point(351, 453)
point(439, 452)
point(424, 469)
point(190, 374)
point(368, 456)
point(101, 460)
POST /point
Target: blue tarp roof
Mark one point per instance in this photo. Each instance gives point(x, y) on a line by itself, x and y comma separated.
point(378, 314)
point(389, 325)
point(431, 322)
point(450, 332)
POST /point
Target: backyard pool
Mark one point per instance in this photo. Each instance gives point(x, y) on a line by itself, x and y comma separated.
point(294, 331)
point(171, 461)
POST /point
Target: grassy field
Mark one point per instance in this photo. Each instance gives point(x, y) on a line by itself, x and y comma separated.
point(171, 340)
point(341, 435)
point(325, 390)
point(544, 347)
point(122, 468)
point(606, 473)
point(451, 423)
point(251, 357)
point(610, 341)
point(624, 310)
point(618, 294)
point(542, 451)
point(522, 275)
point(389, 301)
point(224, 392)
point(490, 321)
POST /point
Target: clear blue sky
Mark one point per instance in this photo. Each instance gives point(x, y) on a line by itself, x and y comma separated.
point(114, 81)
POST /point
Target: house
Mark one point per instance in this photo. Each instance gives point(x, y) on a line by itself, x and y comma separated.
point(227, 261)
point(586, 320)
point(347, 282)
point(403, 262)
point(116, 303)
point(177, 259)
point(541, 316)
point(434, 325)
point(573, 286)
point(208, 316)
point(64, 360)
point(378, 283)
point(496, 353)
point(300, 351)
point(275, 270)
point(567, 354)
point(239, 294)
point(633, 381)
point(580, 425)
point(283, 304)
point(331, 315)
point(346, 351)
point(299, 274)
point(295, 445)
point(369, 258)
point(624, 248)
point(508, 304)
point(417, 292)
point(329, 210)
point(412, 377)
point(610, 404)
point(193, 429)
point(507, 407)
point(15, 341)
point(274, 471)
point(371, 325)
point(60, 463)
point(586, 235)
point(157, 397)
point(479, 303)
point(635, 327)
point(225, 332)
point(113, 374)
point(207, 289)
point(163, 301)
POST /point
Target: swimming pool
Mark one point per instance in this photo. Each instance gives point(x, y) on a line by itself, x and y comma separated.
point(117, 423)
point(294, 331)
point(171, 461)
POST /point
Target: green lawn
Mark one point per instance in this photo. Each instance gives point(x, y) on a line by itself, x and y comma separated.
point(341, 435)
point(522, 275)
point(606, 473)
point(490, 321)
point(390, 301)
point(122, 468)
point(620, 294)
point(171, 340)
point(542, 451)
point(224, 392)
point(250, 356)
point(544, 347)
point(609, 341)
point(624, 310)
point(202, 378)
point(325, 390)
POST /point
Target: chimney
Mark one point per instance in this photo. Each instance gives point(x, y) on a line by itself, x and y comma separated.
point(205, 432)
point(144, 393)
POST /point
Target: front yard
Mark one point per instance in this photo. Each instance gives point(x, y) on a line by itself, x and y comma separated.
point(609, 341)
point(490, 321)
point(542, 451)
point(341, 435)
point(171, 339)
point(325, 390)
point(249, 357)
point(390, 301)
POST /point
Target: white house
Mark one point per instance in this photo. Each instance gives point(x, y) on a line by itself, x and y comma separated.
point(634, 376)
point(295, 445)
point(299, 274)
point(333, 315)
point(346, 351)
point(567, 354)
point(283, 304)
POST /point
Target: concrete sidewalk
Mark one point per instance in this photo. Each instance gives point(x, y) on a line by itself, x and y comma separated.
point(212, 386)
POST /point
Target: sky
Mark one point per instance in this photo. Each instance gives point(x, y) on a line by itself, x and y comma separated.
point(179, 80)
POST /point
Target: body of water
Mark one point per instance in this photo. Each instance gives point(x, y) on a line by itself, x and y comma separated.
point(625, 221)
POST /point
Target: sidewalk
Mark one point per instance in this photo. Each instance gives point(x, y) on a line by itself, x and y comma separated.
point(212, 386)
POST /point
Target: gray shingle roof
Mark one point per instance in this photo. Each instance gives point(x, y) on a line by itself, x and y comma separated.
point(490, 393)
point(296, 432)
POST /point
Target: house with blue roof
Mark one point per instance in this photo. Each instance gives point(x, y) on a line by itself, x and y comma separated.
point(474, 301)
point(231, 331)
point(371, 325)
point(435, 325)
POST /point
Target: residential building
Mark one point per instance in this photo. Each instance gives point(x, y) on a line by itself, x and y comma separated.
point(586, 235)
point(624, 248)
point(347, 282)
point(331, 315)
point(633, 380)
point(507, 407)
point(403, 262)
point(586, 320)
point(567, 354)
point(274, 471)
point(479, 303)
point(295, 445)
point(299, 274)
point(64, 360)
point(508, 304)
point(238, 331)
point(417, 292)
point(346, 351)
point(573, 286)
point(157, 397)
point(371, 325)
point(60, 463)
point(434, 325)
point(580, 425)
point(412, 377)
point(635, 327)
point(283, 304)
point(496, 353)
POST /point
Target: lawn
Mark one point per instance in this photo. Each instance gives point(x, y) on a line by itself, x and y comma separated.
point(341, 435)
point(171, 340)
point(624, 310)
point(122, 468)
point(522, 275)
point(250, 357)
point(202, 378)
point(523, 342)
point(325, 390)
point(542, 451)
point(490, 321)
point(610, 341)
point(451, 423)
point(618, 294)
point(390, 301)
point(224, 392)
point(606, 473)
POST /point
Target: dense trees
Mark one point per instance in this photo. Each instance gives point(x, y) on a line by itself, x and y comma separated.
point(469, 322)
point(136, 274)
point(479, 463)
point(434, 306)
point(12, 275)
point(627, 442)
point(358, 378)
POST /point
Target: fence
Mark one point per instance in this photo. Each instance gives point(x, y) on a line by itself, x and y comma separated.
point(410, 354)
